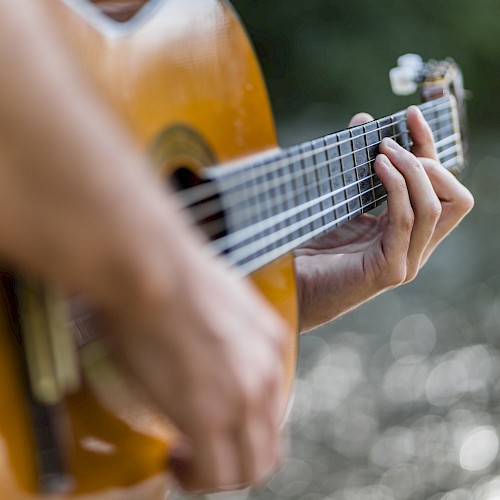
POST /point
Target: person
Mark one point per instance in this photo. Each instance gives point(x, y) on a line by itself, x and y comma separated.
point(80, 208)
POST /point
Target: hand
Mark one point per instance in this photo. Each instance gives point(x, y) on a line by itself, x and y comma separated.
point(344, 268)
point(210, 355)
point(81, 209)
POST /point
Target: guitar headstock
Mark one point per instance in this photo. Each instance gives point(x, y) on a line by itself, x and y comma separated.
point(434, 79)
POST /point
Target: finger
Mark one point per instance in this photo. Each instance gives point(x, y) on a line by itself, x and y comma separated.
point(425, 204)
point(259, 440)
point(360, 119)
point(421, 134)
point(260, 430)
point(216, 463)
point(400, 218)
point(447, 187)
point(456, 201)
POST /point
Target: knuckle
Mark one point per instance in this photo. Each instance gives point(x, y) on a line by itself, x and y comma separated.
point(407, 221)
point(467, 201)
point(434, 210)
point(411, 274)
point(218, 413)
point(414, 164)
point(393, 276)
point(400, 185)
point(398, 276)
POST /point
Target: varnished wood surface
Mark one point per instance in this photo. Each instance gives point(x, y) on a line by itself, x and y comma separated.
point(175, 63)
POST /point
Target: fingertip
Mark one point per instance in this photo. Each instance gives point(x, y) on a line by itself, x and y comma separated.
point(421, 133)
point(383, 160)
point(414, 111)
point(415, 116)
point(360, 119)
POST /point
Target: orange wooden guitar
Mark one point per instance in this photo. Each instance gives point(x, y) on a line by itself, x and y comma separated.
point(184, 78)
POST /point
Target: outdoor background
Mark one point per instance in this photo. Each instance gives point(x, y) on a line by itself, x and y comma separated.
point(399, 400)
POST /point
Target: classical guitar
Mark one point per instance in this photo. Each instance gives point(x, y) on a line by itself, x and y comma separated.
point(184, 79)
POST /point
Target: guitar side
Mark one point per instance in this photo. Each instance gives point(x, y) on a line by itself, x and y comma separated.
point(184, 78)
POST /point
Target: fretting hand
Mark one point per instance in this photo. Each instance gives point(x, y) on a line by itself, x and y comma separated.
point(348, 266)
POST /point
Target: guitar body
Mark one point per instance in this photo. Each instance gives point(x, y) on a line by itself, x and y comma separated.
point(183, 77)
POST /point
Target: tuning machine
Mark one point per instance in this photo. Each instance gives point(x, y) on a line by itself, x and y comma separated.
point(407, 75)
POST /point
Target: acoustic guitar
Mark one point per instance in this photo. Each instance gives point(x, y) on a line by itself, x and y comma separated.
point(184, 78)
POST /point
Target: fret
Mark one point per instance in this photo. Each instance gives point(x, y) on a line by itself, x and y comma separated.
point(392, 128)
point(348, 171)
point(251, 190)
point(276, 204)
point(361, 166)
point(401, 129)
point(322, 180)
point(278, 187)
point(372, 142)
point(269, 208)
point(295, 187)
point(429, 116)
point(447, 141)
point(385, 128)
point(311, 181)
point(336, 178)
point(236, 207)
point(280, 200)
point(440, 119)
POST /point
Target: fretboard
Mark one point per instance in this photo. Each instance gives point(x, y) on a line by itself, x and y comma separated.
point(273, 204)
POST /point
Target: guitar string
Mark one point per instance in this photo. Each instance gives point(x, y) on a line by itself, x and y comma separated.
point(230, 244)
point(288, 176)
point(205, 191)
point(254, 249)
point(251, 195)
point(283, 161)
point(251, 200)
point(259, 261)
point(214, 207)
point(232, 240)
point(196, 194)
point(215, 227)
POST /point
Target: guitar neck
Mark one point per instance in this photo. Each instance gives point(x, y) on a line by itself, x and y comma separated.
point(273, 204)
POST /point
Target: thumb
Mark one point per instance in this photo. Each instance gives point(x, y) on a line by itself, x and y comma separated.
point(360, 118)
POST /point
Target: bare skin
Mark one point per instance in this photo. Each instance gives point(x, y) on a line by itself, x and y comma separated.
point(80, 209)
point(341, 270)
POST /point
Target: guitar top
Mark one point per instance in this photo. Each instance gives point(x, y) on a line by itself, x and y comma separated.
point(184, 78)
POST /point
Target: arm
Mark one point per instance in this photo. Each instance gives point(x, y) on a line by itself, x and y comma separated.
point(361, 259)
point(79, 208)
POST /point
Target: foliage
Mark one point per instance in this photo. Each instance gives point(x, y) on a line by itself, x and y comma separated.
point(339, 53)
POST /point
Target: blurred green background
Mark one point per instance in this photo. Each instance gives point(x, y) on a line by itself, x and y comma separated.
point(399, 400)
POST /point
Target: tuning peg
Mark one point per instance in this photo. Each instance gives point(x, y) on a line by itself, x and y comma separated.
point(404, 77)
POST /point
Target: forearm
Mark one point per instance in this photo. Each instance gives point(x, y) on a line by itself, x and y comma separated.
point(78, 204)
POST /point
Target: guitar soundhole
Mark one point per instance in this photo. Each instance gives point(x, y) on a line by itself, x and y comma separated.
point(180, 152)
point(207, 212)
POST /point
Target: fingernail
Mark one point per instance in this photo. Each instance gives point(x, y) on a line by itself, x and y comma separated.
point(391, 144)
point(416, 110)
point(385, 160)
